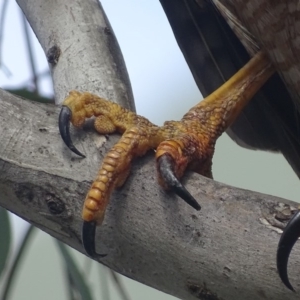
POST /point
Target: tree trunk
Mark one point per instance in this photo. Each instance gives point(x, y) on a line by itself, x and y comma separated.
point(225, 251)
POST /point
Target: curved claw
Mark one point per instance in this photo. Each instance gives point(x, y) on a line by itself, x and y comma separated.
point(64, 129)
point(165, 165)
point(288, 239)
point(88, 239)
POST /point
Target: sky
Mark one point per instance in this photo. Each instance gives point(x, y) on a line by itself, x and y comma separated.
point(163, 88)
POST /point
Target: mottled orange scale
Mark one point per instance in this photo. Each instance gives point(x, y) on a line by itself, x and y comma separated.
point(160, 152)
point(108, 167)
point(113, 154)
point(102, 172)
point(78, 119)
point(122, 147)
point(131, 135)
point(104, 125)
point(91, 204)
point(122, 178)
point(111, 161)
point(89, 112)
point(95, 194)
point(99, 185)
point(173, 143)
point(102, 178)
point(118, 149)
point(87, 215)
point(169, 147)
point(126, 141)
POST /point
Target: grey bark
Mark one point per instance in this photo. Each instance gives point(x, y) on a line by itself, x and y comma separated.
point(226, 251)
point(88, 52)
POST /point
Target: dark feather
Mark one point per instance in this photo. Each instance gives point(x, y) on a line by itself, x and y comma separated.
point(214, 53)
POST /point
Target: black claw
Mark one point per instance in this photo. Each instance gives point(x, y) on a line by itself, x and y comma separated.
point(88, 239)
point(64, 129)
point(166, 168)
point(288, 239)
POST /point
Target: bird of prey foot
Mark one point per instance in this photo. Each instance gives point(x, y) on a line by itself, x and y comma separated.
point(180, 145)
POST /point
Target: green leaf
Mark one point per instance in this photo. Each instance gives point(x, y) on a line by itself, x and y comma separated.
point(103, 281)
point(5, 236)
point(70, 285)
point(17, 262)
point(76, 274)
point(119, 285)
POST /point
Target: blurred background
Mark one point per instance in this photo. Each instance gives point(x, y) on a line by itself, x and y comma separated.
point(164, 89)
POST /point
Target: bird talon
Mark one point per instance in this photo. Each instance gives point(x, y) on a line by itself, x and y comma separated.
point(165, 165)
point(188, 143)
point(289, 237)
point(88, 239)
point(64, 129)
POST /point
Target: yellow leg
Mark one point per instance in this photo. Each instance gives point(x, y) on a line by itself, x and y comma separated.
point(188, 143)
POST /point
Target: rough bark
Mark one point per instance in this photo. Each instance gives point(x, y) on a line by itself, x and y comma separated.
point(225, 251)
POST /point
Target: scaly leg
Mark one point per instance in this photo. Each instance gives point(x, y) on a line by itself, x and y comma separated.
point(188, 143)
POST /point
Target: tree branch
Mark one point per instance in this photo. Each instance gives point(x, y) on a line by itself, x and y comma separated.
point(225, 251)
point(88, 52)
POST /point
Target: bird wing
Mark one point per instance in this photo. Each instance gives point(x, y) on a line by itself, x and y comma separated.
point(215, 48)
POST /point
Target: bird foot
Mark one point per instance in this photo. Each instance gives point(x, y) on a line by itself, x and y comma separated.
point(179, 145)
